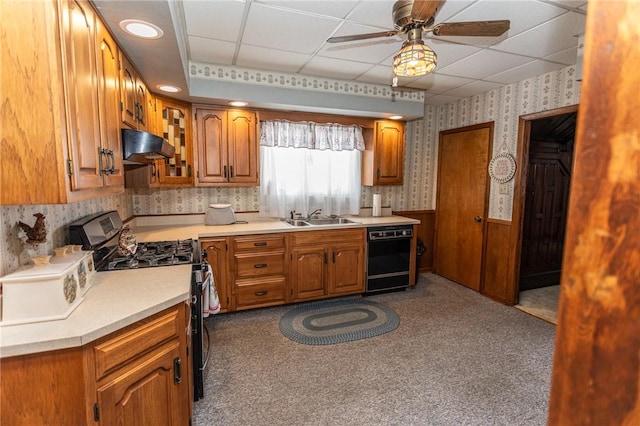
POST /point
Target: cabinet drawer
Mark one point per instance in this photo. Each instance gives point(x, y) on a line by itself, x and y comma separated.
point(259, 292)
point(258, 264)
point(321, 238)
point(259, 242)
point(115, 352)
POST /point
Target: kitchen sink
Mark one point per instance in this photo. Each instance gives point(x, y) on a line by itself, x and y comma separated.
point(319, 221)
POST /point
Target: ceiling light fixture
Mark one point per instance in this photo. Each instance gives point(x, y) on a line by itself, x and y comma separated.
point(168, 88)
point(238, 103)
point(415, 58)
point(141, 29)
point(396, 117)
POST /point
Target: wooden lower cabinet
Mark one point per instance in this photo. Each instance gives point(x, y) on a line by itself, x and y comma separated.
point(327, 263)
point(259, 270)
point(140, 375)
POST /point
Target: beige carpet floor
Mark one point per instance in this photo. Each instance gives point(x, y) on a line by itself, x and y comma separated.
point(541, 303)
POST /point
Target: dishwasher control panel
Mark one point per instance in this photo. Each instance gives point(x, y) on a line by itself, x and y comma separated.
point(389, 232)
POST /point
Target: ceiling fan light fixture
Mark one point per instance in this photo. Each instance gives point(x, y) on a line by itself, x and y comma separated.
point(414, 59)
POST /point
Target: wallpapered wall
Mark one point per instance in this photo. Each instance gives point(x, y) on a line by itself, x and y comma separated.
point(14, 252)
point(504, 106)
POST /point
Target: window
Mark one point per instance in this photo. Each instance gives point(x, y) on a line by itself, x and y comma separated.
point(304, 178)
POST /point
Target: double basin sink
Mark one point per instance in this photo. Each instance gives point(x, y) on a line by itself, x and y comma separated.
point(319, 221)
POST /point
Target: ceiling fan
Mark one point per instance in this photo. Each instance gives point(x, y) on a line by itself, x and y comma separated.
point(416, 17)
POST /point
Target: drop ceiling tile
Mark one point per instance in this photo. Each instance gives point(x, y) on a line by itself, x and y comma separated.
point(334, 68)
point(473, 88)
point(548, 38)
point(483, 63)
point(335, 8)
point(567, 57)
point(440, 100)
point(377, 13)
point(438, 83)
point(270, 59)
point(450, 9)
point(525, 71)
point(218, 20)
point(448, 53)
point(286, 30)
point(569, 3)
point(211, 51)
point(378, 74)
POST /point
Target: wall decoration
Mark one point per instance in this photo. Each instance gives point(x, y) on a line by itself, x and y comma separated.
point(502, 167)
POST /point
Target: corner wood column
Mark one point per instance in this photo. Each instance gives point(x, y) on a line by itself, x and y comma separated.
point(596, 371)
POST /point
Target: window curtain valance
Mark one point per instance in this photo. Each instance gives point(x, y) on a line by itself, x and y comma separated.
point(310, 135)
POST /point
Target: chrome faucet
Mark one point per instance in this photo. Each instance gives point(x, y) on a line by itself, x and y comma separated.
point(316, 211)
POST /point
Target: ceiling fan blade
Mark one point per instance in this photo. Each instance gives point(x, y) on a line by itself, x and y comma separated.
point(478, 28)
point(424, 10)
point(341, 39)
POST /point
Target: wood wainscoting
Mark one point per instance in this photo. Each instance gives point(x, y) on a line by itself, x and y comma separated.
point(426, 230)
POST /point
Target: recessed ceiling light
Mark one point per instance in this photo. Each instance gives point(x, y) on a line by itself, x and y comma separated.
point(168, 88)
point(238, 103)
point(396, 117)
point(141, 29)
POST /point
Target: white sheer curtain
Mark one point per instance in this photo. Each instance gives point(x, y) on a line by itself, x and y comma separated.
point(295, 175)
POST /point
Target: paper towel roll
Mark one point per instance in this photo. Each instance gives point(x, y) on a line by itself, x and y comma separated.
point(377, 205)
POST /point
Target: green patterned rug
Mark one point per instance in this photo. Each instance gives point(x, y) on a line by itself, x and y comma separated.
point(336, 321)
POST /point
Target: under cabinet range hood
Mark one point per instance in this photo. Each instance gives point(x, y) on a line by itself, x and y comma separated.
point(142, 147)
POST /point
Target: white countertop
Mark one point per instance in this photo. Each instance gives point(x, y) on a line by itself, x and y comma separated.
point(120, 298)
point(158, 228)
point(115, 300)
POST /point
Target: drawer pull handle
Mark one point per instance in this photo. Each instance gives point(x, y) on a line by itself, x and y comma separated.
point(260, 265)
point(261, 293)
point(260, 244)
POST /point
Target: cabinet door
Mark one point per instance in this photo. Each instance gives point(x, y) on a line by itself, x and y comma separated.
point(109, 97)
point(309, 272)
point(81, 91)
point(211, 130)
point(142, 112)
point(174, 119)
point(346, 269)
point(146, 393)
point(389, 153)
point(242, 147)
point(128, 93)
point(217, 258)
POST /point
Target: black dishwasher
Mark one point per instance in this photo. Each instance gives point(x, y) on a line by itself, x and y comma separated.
point(388, 258)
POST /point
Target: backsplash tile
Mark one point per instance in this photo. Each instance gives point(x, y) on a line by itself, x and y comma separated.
point(15, 253)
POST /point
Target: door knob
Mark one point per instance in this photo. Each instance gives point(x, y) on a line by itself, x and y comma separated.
point(477, 219)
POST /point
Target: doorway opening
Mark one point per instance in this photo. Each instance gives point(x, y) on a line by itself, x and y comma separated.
point(543, 198)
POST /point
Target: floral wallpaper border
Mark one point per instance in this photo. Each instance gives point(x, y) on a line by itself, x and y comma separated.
point(296, 81)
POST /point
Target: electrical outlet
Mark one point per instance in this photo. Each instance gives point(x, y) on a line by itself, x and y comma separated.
point(504, 189)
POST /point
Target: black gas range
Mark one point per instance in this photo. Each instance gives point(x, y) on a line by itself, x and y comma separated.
point(115, 249)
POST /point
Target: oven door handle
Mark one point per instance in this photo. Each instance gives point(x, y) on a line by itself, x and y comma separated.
point(206, 358)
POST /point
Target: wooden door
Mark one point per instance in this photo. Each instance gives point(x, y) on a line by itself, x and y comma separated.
point(217, 258)
point(242, 143)
point(211, 131)
point(81, 87)
point(461, 203)
point(309, 272)
point(389, 153)
point(346, 269)
point(109, 97)
point(545, 214)
point(128, 93)
point(145, 394)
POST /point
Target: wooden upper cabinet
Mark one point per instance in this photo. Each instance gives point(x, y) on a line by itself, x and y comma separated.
point(227, 147)
point(134, 97)
point(383, 158)
point(109, 101)
point(173, 119)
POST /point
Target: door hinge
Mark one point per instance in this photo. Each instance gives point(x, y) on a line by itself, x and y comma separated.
point(96, 412)
point(121, 106)
point(70, 167)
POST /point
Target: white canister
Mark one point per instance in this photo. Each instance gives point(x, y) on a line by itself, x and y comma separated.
point(377, 205)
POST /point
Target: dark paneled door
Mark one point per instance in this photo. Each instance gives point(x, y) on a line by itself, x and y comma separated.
point(545, 216)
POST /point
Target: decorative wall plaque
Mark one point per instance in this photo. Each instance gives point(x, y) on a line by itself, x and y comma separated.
point(502, 167)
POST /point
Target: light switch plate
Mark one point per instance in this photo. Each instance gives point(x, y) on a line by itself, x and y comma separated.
point(504, 189)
